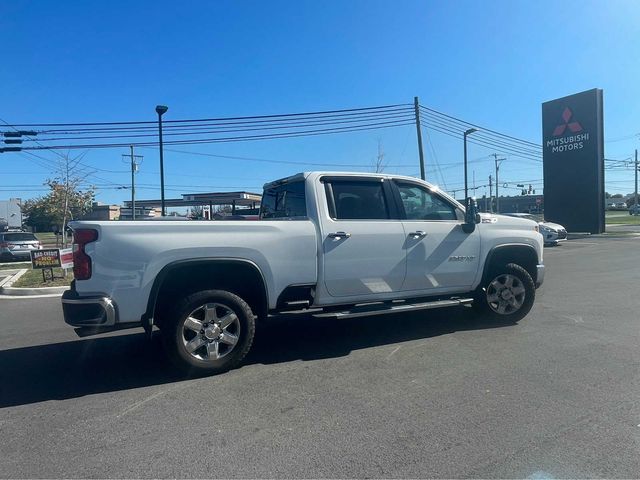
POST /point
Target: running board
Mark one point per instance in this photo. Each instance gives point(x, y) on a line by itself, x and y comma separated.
point(381, 309)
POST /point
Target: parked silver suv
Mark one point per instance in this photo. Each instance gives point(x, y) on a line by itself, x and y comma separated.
point(17, 245)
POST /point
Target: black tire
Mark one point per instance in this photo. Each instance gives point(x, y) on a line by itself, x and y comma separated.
point(487, 290)
point(202, 361)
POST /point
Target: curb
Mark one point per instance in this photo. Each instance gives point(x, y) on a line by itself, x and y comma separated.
point(17, 264)
point(7, 289)
point(26, 292)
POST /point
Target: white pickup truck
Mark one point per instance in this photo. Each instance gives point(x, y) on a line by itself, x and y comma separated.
point(333, 244)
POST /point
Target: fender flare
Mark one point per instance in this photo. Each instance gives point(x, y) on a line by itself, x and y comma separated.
point(497, 249)
point(148, 317)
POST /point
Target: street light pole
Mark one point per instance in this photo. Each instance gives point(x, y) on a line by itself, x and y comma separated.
point(160, 110)
point(466, 134)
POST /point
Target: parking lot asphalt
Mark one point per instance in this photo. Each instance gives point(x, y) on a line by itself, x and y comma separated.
point(432, 394)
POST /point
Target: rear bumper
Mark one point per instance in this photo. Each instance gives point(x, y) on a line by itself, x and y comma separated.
point(94, 311)
point(539, 274)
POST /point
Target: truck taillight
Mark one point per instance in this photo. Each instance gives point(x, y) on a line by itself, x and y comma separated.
point(82, 261)
point(4, 245)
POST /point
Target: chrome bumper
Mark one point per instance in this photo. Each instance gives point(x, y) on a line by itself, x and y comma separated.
point(539, 275)
point(88, 311)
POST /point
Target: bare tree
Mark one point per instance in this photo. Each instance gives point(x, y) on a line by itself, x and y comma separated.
point(196, 212)
point(379, 164)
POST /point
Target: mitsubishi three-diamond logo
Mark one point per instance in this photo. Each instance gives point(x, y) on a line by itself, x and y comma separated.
point(568, 135)
point(574, 127)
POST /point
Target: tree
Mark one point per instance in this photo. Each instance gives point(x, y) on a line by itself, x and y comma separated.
point(55, 209)
point(196, 212)
point(379, 164)
point(66, 200)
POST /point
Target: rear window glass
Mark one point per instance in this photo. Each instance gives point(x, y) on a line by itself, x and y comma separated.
point(19, 237)
point(359, 201)
point(284, 201)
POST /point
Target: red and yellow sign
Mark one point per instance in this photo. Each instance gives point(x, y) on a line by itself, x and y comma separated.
point(47, 258)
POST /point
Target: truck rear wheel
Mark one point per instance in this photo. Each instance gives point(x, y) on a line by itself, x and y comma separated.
point(209, 332)
point(507, 294)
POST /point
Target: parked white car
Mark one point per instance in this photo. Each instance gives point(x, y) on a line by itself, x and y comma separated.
point(553, 233)
point(336, 244)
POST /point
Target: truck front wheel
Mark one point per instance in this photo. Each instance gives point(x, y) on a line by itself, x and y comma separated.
point(209, 332)
point(507, 294)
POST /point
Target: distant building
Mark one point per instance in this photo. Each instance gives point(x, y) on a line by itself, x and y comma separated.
point(240, 204)
point(515, 204)
point(142, 212)
point(11, 212)
point(101, 211)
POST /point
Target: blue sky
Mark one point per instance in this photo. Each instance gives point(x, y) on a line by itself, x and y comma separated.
point(491, 62)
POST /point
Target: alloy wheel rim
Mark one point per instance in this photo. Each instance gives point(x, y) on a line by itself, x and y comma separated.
point(506, 294)
point(210, 332)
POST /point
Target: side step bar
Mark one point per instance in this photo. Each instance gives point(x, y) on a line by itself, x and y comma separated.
point(381, 309)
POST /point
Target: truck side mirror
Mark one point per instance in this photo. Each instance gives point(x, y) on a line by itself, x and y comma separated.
point(471, 215)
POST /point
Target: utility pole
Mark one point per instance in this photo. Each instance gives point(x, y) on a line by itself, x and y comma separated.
point(133, 185)
point(636, 172)
point(490, 195)
point(416, 107)
point(495, 156)
point(134, 169)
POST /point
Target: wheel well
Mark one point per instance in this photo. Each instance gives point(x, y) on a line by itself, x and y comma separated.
point(238, 277)
point(522, 255)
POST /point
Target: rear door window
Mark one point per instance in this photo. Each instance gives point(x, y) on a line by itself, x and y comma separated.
point(358, 200)
point(284, 201)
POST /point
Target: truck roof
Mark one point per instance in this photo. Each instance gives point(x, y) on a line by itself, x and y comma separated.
point(303, 175)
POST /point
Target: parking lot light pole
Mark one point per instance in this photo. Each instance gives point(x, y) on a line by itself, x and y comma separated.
point(466, 134)
point(160, 110)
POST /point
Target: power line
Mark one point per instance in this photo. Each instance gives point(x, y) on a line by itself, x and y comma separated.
point(469, 124)
point(245, 138)
point(478, 138)
point(203, 124)
point(285, 162)
point(486, 144)
point(219, 119)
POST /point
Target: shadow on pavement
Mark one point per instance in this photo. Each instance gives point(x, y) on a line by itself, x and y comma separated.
point(103, 364)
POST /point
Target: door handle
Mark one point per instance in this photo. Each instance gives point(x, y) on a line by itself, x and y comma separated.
point(418, 234)
point(339, 235)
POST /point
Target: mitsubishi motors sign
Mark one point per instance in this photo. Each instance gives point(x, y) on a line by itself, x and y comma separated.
point(573, 152)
